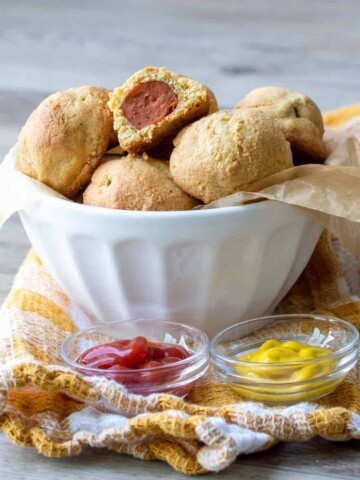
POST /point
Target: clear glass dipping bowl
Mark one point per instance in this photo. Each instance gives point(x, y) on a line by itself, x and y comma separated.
point(177, 378)
point(272, 382)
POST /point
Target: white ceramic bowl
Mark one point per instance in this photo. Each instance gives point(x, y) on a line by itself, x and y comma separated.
point(207, 268)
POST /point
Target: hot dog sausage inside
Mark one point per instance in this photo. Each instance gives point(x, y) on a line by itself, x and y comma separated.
point(149, 103)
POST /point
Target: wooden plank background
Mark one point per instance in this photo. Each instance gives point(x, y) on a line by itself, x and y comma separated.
point(233, 46)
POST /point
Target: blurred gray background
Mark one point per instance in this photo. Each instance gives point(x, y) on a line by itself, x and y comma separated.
point(233, 46)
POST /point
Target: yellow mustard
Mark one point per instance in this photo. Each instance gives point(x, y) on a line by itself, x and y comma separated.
point(275, 352)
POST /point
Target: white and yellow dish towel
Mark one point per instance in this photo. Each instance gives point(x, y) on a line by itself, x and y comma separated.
point(59, 412)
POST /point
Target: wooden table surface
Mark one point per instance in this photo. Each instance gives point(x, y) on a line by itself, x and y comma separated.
point(233, 46)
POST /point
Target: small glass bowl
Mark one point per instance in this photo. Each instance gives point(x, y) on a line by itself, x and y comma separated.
point(279, 382)
point(177, 378)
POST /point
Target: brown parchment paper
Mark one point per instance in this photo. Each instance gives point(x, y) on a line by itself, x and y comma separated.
point(330, 192)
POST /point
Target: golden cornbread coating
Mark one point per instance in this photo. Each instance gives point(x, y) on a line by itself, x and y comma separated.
point(136, 182)
point(65, 137)
point(154, 104)
point(298, 116)
point(213, 105)
point(227, 151)
point(164, 149)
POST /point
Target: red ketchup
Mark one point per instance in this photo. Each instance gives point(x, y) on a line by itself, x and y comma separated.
point(138, 354)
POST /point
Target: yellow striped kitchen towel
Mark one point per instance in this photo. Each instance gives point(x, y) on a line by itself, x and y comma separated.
point(54, 409)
